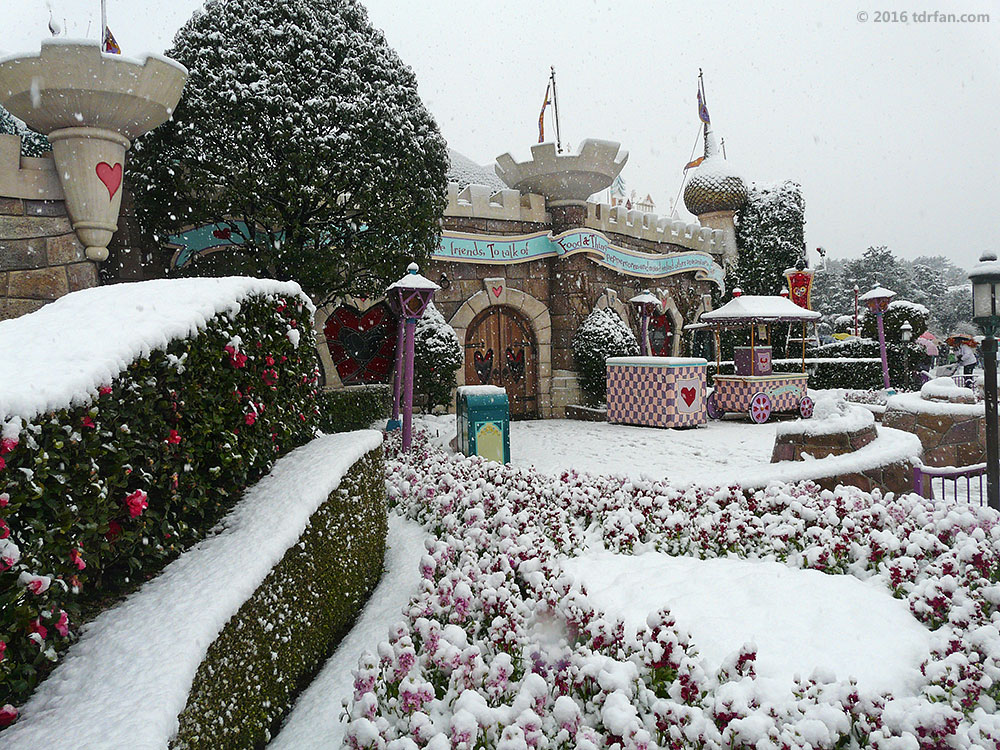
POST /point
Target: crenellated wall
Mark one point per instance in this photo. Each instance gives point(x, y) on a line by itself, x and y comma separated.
point(40, 257)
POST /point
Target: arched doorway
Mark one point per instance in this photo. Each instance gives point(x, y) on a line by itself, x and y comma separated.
point(661, 335)
point(500, 349)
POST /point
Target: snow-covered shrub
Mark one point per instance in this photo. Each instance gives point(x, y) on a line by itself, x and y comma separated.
point(896, 314)
point(97, 493)
point(499, 650)
point(844, 324)
point(354, 407)
point(437, 358)
point(601, 335)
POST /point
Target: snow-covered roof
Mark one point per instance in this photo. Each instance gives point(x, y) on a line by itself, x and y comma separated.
point(414, 281)
point(463, 172)
point(877, 292)
point(763, 308)
point(645, 298)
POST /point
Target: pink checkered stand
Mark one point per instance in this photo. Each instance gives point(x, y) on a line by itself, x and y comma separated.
point(657, 391)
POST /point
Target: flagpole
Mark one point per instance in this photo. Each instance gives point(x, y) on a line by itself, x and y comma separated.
point(104, 21)
point(555, 109)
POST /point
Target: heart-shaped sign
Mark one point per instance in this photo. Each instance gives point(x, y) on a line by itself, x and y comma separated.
point(483, 364)
point(689, 395)
point(497, 291)
point(362, 346)
point(222, 234)
point(515, 363)
point(110, 176)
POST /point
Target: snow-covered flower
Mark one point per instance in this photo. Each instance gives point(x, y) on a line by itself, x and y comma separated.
point(136, 503)
point(37, 585)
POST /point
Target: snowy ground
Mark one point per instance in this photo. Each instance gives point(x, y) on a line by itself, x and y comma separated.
point(315, 723)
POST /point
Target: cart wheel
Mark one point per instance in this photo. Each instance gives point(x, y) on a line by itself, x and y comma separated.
point(806, 407)
point(760, 407)
point(712, 407)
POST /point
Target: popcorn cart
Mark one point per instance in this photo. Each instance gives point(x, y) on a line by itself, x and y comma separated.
point(756, 389)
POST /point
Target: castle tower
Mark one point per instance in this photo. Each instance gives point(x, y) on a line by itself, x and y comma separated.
point(714, 193)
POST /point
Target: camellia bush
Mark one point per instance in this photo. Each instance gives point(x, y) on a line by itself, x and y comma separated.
point(97, 497)
point(499, 649)
point(437, 357)
point(601, 335)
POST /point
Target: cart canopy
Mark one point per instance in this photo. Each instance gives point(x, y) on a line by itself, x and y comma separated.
point(759, 309)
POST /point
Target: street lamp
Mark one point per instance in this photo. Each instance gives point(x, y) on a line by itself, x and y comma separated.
point(397, 367)
point(985, 279)
point(877, 300)
point(410, 296)
point(645, 303)
point(906, 333)
point(856, 290)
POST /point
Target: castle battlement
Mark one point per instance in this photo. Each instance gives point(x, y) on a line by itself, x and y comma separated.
point(482, 202)
point(607, 218)
point(28, 177)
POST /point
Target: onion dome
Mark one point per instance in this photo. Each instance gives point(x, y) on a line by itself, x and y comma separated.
point(714, 185)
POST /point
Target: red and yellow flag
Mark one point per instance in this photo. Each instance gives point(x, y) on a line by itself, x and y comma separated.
point(541, 115)
point(110, 45)
point(693, 164)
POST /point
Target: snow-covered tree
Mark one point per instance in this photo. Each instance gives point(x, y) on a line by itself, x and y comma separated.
point(601, 335)
point(301, 128)
point(32, 143)
point(770, 235)
point(437, 358)
point(898, 312)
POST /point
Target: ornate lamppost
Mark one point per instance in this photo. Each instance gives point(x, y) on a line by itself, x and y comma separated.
point(856, 332)
point(645, 303)
point(397, 367)
point(410, 295)
point(877, 300)
point(906, 333)
point(985, 279)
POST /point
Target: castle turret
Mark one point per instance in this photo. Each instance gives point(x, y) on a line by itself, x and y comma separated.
point(714, 193)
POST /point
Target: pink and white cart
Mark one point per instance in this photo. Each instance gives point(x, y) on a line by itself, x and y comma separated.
point(755, 389)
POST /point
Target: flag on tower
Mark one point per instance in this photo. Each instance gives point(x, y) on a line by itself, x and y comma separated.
point(693, 164)
point(702, 109)
point(541, 115)
point(110, 45)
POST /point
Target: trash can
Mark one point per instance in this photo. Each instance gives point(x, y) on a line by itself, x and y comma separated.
point(482, 418)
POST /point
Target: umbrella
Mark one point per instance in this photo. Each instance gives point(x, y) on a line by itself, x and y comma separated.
point(926, 339)
point(957, 339)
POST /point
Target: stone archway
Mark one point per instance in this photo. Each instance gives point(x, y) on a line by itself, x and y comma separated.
point(669, 317)
point(496, 292)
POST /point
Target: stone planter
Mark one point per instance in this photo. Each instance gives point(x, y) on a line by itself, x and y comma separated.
point(791, 446)
point(952, 430)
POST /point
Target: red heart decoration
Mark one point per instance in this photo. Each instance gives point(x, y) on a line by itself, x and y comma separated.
point(363, 347)
point(110, 176)
point(222, 234)
point(688, 394)
point(496, 291)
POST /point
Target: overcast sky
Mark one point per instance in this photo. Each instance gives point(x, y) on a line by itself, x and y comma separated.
point(892, 128)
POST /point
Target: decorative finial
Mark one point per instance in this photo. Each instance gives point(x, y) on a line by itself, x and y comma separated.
point(987, 256)
point(412, 268)
point(54, 28)
point(737, 292)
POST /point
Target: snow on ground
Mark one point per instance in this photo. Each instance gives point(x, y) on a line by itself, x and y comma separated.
point(314, 722)
point(801, 620)
point(127, 679)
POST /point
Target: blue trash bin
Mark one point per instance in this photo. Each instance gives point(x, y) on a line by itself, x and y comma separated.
point(482, 419)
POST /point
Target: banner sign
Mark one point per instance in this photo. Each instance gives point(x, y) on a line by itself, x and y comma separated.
point(477, 248)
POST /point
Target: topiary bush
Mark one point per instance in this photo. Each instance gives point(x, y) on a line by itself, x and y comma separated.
point(601, 335)
point(354, 407)
point(896, 314)
point(98, 496)
point(269, 651)
point(438, 356)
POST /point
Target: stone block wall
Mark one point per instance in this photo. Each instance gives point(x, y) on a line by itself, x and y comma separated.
point(793, 446)
point(947, 439)
point(895, 477)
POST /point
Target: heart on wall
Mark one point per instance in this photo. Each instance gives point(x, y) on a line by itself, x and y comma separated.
point(110, 176)
point(362, 345)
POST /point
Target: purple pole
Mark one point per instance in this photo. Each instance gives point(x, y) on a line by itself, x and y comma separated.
point(644, 343)
point(411, 328)
point(397, 379)
point(881, 344)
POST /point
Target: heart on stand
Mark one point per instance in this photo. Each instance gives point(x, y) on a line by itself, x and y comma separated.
point(689, 395)
point(483, 364)
point(362, 346)
point(515, 363)
point(110, 176)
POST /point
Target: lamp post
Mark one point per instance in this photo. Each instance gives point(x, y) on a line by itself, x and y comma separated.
point(985, 279)
point(397, 367)
point(411, 294)
point(856, 290)
point(877, 300)
point(645, 303)
point(906, 333)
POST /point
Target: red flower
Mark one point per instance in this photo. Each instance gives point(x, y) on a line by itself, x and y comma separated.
point(104, 390)
point(4, 499)
point(35, 626)
point(174, 438)
point(88, 422)
point(281, 306)
point(114, 530)
point(62, 624)
point(3, 464)
point(136, 503)
point(76, 559)
point(7, 445)
point(269, 359)
point(236, 359)
point(3, 647)
point(270, 377)
point(250, 418)
point(8, 715)
point(4, 530)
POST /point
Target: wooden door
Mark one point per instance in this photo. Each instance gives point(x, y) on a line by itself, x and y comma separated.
point(500, 350)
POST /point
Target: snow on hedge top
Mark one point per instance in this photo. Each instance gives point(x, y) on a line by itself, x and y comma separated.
point(60, 355)
point(831, 416)
point(759, 307)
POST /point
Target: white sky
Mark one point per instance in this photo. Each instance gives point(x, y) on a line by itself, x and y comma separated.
point(892, 128)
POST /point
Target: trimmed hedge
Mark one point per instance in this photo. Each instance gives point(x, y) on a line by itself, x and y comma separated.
point(99, 497)
point(271, 649)
point(355, 407)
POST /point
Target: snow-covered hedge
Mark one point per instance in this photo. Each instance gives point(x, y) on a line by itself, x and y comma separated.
point(437, 358)
point(133, 417)
point(602, 334)
point(499, 650)
point(827, 370)
point(354, 407)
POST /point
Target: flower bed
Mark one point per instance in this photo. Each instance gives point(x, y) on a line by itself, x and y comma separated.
point(133, 417)
point(498, 651)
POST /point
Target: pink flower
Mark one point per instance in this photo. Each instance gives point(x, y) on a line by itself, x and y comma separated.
point(236, 359)
point(175, 437)
point(37, 585)
point(270, 377)
point(7, 445)
point(88, 422)
point(76, 558)
point(136, 503)
point(4, 499)
point(35, 627)
point(3, 464)
point(4, 530)
point(8, 715)
point(3, 647)
point(104, 390)
point(269, 359)
point(250, 418)
point(62, 624)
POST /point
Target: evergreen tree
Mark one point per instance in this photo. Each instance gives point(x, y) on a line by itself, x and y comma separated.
point(32, 143)
point(302, 130)
point(438, 355)
point(770, 235)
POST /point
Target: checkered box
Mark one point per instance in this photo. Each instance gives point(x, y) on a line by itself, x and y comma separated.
point(656, 391)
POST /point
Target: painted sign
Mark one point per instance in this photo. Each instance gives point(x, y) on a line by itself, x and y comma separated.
point(800, 286)
point(474, 248)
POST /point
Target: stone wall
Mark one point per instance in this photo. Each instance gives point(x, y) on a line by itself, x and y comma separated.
point(947, 439)
point(895, 477)
point(792, 446)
